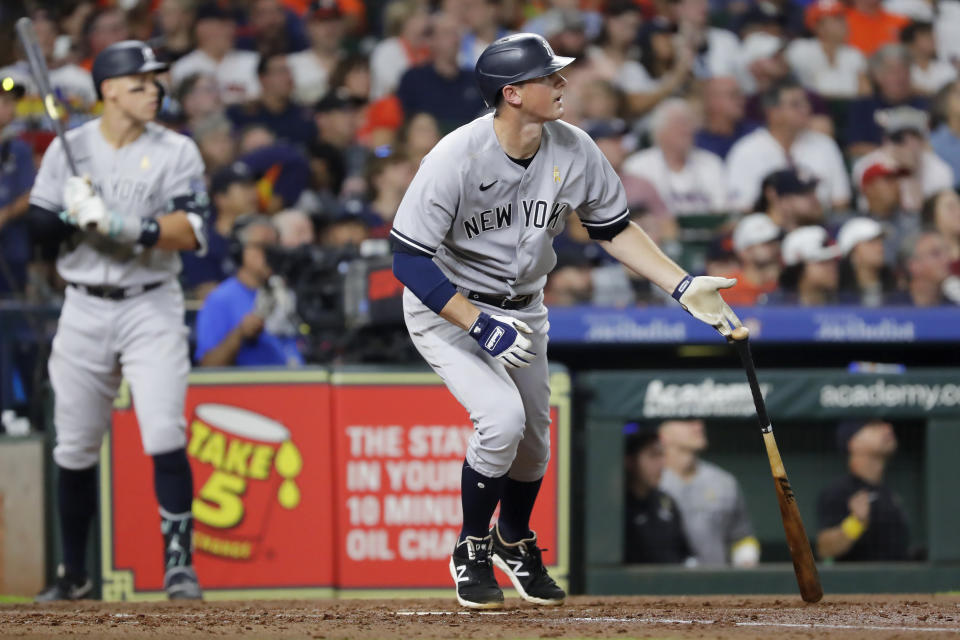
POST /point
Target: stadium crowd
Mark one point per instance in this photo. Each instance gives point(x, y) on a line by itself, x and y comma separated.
point(809, 148)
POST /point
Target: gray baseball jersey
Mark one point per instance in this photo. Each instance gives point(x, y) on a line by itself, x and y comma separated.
point(142, 337)
point(148, 177)
point(714, 512)
point(490, 223)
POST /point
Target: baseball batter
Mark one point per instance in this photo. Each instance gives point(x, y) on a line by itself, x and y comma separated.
point(141, 201)
point(473, 246)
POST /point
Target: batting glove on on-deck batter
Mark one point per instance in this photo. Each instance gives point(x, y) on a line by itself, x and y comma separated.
point(700, 297)
point(502, 337)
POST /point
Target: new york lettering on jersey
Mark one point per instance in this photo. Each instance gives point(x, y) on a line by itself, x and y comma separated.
point(490, 223)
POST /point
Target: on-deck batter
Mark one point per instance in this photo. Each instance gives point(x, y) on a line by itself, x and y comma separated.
point(142, 199)
point(473, 245)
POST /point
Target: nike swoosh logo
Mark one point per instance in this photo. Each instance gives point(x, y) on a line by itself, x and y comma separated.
point(484, 187)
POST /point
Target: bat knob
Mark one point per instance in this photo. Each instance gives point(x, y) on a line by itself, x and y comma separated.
point(740, 333)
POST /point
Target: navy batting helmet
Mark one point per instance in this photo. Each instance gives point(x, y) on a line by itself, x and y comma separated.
point(513, 59)
point(123, 59)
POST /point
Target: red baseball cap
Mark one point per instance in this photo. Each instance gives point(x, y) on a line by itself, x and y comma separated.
point(821, 9)
point(881, 168)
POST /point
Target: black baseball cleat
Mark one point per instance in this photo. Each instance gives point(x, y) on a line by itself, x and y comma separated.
point(472, 570)
point(66, 588)
point(523, 564)
point(181, 583)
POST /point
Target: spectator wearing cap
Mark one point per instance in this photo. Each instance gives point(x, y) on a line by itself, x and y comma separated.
point(344, 230)
point(653, 526)
point(809, 276)
point(275, 109)
point(786, 140)
point(790, 199)
point(865, 277)
point(482, 25)
point(689, 180)
point(283, 169)
point(249, 319)
point(761, 17)
point(562, 13)
point(871, 26)
point(570, 283)
point(233, 195)
point(294, 227)
point(716, 50)
point(715, 517)
point(724, 120)
point(407, 27)
point(889, 72)
point(905, 143)
point(928, 74)
point(312, 67)
point(859, 517)
point(16, 178)
point(941, 212)
point(926, 259)
point(216, 55)
point(756, 243)
point(825, 63)
point(271, 28)
point(945, 140)
point(441, 76)
point(761, 62)
point(879, 184)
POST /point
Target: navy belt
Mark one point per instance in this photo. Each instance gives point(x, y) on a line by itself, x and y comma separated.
point(115, 293)
point(503, 302)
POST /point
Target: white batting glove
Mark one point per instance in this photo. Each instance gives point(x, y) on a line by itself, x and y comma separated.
point(503, 338)
point(75, 190)
point(92, 214)
point(700, 297)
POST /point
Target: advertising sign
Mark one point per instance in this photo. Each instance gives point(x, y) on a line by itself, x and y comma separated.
point(401, 440)
point(259, 448)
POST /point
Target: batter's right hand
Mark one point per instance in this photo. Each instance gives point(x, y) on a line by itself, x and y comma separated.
point(503, 338)
point(75, 191)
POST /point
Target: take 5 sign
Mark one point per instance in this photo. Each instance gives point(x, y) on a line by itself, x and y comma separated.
point(306, 483)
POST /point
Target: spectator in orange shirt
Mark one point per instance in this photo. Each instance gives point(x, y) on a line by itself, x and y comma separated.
point(871, 26)
point(756, 242)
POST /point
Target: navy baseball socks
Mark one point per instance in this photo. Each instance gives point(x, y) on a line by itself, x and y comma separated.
point(471, 564)
point(76, 506)
point(515, 550)
point(173, 482)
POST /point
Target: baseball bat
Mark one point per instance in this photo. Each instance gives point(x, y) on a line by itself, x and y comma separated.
point(41, 76)
point(808, 579)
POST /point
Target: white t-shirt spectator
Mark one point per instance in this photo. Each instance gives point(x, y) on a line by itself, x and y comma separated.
point(757, 154)
point(935, 175)
point(700, 187)
point(810, 64)
point(937, 75)
point(723, 53)
point(236, 73)
point(387, 63)
point(916, 9)
point(946, 30)
point(310, 77)
point(629, 76)
point(71, 80)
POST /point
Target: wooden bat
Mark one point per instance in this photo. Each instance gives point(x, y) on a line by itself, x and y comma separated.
point(808, 579)
point(41, 76)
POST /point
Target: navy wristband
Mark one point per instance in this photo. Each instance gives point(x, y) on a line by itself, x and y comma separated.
point(149, 232)
point(682, 287)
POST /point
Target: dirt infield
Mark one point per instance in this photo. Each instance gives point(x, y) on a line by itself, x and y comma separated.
point(741, 617)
